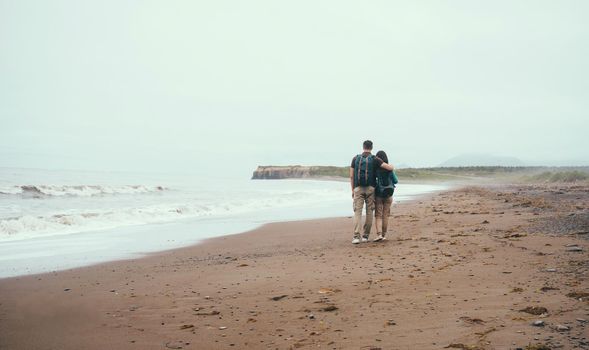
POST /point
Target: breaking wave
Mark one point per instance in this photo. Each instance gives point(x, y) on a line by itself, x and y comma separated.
point(81, 221)
point(39, 191)
point(75, 221)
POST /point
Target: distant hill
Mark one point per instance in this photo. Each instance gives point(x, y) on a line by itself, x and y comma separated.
point(402, 166)
point(481, 160)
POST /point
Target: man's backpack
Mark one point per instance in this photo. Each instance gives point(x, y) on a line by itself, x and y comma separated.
point(385, 183)
point(363, 170)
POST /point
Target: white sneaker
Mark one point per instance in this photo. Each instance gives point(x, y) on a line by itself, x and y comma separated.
point(356, 241)
point(378, 238)
point(364, 239)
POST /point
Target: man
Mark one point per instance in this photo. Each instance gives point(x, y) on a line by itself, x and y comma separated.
point(363, 181)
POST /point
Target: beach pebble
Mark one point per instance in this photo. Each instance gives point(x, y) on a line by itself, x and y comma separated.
point(174, 345)
point(329, 308)
point(222, 328)
point(550, 270)
point(391, 322)
point(538, 323)
point(574, 249)
point(535, 310)
point(311, 316)
point(562, 328)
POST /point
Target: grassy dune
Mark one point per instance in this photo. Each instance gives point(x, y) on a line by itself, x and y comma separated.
point(499, 173)
point(558, 176)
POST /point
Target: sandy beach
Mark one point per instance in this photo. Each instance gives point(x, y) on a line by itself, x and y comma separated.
point(471, 268)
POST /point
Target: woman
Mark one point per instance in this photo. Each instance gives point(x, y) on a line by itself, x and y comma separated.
point(385, 187)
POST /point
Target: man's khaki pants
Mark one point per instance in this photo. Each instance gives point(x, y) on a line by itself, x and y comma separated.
point(363, 195)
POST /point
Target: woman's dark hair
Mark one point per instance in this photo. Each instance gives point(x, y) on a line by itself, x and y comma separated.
point(383, 156)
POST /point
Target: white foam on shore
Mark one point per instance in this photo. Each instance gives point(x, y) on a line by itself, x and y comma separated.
point(71, 225)
point(61, 216)
point(76, 190)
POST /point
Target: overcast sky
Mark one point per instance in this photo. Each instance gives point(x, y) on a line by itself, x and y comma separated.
point(175, 85)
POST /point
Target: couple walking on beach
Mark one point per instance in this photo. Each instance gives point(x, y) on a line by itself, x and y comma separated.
point(373, 183)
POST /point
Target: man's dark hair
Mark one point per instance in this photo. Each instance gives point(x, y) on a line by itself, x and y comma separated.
point(367, 145)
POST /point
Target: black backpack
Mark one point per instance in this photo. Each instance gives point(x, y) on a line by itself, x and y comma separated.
point(363, 170)
point(385, 183)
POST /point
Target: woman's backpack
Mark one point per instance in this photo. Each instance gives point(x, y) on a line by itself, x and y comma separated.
point(385, 183)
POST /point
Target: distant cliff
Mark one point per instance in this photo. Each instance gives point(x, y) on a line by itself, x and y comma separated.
point(298, 172)
point(525, 174)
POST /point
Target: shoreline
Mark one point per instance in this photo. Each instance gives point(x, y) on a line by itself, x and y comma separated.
point(443, 277)
point(135, 241)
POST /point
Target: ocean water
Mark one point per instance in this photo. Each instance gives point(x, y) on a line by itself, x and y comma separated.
point(54, 220)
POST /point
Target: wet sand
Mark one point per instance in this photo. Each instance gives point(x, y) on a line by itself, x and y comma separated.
point(455, 272)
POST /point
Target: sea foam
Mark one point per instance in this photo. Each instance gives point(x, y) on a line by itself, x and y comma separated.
point(45, 210)
point(76, 190)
